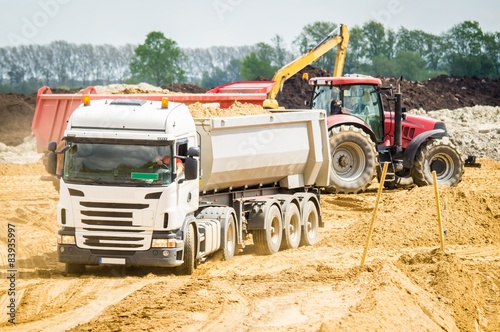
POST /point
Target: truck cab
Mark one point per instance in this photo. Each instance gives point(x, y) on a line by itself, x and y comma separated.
point(121, 191)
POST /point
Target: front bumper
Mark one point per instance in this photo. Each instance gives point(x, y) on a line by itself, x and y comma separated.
point(160, 257)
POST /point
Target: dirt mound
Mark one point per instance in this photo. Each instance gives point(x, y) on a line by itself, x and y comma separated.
point(16, 112)
point(446, 92)
point(442, 92)
point(185, 88)
point(296, 90)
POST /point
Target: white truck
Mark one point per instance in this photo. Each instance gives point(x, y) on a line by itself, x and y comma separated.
point(242, 175)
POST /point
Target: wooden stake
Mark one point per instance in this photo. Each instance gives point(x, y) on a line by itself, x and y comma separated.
point(438, 208)
point(381, 186)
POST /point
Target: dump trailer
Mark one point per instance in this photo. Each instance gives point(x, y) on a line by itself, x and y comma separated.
point(143, 183)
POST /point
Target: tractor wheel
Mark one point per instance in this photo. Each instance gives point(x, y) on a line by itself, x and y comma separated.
point(354, 159)
point(440, 156)
point(187, 268)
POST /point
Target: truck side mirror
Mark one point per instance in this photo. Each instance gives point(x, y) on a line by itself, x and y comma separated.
point(52, 146)
point(193, 152)
point(191, 168)
point(51, 165)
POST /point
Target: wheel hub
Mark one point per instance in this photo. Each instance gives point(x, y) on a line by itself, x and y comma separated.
point(438, 165)
point(344, 161)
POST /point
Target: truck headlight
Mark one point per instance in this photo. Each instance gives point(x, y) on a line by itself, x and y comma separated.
point(66, 239)
point(165, 243)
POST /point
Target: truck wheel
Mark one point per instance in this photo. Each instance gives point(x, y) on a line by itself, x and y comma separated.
point(187, 268)
point(268, 241)
point(354, 159)
point(440, 156)
point(311, 223)
point(291, 228)
point(76, 269)
point(230, 243)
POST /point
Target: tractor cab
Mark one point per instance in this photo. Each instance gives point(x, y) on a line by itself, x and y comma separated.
point(356, 96)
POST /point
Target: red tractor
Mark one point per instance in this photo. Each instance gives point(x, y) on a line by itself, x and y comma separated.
point(363, 136)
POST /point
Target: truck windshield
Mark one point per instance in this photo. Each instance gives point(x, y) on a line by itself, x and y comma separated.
point(118, 164)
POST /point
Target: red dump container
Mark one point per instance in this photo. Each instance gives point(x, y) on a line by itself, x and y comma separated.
point(52, 111)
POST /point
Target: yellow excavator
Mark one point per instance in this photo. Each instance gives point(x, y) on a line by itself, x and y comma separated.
point(338, 37)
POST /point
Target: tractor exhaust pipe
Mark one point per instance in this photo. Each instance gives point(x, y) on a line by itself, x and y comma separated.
point(398, 113)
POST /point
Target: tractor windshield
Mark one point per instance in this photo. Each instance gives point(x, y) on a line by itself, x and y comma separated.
point(361, 101)
point(119, 164)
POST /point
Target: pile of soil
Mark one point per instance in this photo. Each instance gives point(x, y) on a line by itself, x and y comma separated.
point(183, 87)
point(16, 112)
point(446, 92)
point(441, 92)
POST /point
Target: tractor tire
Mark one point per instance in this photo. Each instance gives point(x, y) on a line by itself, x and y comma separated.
point(440, 156)
point(354, 160)
point(187, 268)
point(268, 241)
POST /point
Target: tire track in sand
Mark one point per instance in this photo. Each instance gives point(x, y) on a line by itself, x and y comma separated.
point(66, 320)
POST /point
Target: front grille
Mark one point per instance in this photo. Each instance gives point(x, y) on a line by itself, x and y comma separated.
point(114, 226)
point(110, 214)
point(127, 206)
point(112, 242)
point(112, 223)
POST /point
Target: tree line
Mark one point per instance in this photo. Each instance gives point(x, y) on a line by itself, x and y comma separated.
point(464, 50)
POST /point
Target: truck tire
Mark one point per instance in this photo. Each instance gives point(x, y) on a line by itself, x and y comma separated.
point(292, 228)
point(187, 268)
point(310, 217)
point(74, 269)
point(268, 240)
point(354, 159)
point(230, 239)
point(441, 156)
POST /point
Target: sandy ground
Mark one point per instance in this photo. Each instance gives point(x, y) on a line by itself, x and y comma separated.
point(406, 284)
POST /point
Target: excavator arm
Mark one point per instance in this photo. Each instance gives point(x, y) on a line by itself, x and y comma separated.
point(338, 37)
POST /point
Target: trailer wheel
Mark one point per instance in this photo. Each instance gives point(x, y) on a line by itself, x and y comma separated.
point(187, 268)
point(292, 228)
point(311, 224)
point(268, 241)
point(76, 269)
point(440, 156)
point(354, 159)
point(230, 243)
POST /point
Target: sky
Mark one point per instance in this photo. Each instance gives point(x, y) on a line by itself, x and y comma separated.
point(205, 23)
